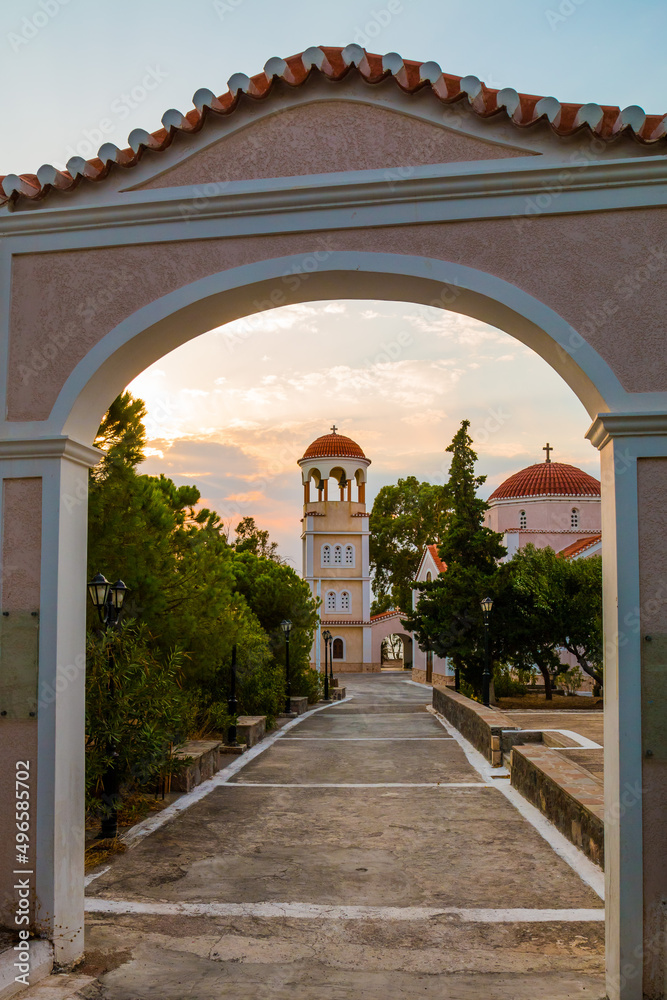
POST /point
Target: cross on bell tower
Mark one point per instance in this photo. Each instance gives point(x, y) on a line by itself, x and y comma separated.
point(548, 450)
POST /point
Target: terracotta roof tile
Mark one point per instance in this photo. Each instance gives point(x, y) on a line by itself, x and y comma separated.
point(581, 544)
point(333, 446)
point(440, 565)
point(547, 479)
point(523, 110)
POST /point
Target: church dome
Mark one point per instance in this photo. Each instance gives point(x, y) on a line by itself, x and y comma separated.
point(333, 446)
point(552, 479)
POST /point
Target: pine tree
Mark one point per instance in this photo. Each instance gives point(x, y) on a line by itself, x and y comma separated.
point(448, 619)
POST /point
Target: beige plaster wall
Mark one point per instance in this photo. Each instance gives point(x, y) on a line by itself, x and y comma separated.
point(325, 137)
point(593, 270)
point(21, 562)
point(652, 490)
point(546, 515)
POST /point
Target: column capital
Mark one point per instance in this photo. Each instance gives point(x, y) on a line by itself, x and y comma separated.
point(57, 446)
point(609, 426)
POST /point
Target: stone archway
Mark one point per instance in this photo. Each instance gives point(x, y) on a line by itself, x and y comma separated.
point(443, 194)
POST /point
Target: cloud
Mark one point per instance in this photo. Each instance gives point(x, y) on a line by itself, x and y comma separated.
point(334, 308)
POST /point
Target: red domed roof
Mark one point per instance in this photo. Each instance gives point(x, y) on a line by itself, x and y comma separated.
point(333, 446)
point(548, 479)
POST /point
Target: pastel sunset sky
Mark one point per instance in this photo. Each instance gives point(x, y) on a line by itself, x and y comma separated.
point(234, 409)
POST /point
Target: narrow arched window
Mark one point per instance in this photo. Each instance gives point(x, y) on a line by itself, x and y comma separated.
point(523, 520)
point(326, 555)
point(349, 555)
point(338, 555)
point(338, 649)
point(428, 577)
point(330, 602)
point(574, 518)
point(345, 601)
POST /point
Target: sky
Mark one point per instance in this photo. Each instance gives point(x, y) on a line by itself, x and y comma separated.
point(233, 409)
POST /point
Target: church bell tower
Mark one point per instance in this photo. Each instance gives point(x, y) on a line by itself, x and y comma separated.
point(335, 548)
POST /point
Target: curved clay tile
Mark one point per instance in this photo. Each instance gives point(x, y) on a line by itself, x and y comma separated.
point(523, 110)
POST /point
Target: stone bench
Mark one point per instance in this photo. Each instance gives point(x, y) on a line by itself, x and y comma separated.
point(204, 764)
point(250, 729)
point(298, 704)
point(337, 694)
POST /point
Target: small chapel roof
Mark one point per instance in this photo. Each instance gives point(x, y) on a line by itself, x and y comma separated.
point(605, 122)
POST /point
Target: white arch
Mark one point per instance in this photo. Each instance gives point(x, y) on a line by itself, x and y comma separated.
point(166, 323)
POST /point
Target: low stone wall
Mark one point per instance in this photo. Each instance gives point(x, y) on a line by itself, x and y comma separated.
point(481, 726)
point(419, 676)
point(298, 704)
point(568, 795)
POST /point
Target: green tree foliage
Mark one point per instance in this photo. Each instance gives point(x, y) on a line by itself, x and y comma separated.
point(135, 709)
point(195, 591)
point(448, 619)
point(250, 538)
point(405, 517)
point(550, 604)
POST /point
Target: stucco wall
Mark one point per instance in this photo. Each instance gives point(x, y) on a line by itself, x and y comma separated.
point(652, 490)
point(341, 135)
point(21, 561)
point(577, 265)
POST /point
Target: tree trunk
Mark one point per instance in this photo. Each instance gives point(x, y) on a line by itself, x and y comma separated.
point(547, 683)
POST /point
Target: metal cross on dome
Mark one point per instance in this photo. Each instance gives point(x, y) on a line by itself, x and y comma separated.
point(548, 450)
point(334, 429)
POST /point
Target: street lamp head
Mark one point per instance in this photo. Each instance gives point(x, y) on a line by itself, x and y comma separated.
point(487, 604)
point(98, 588)
point(118, 592)
point(326, 635)
point(286, 626)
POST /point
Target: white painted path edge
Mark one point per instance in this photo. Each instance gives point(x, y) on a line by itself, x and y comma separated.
point(585, 869)
point(318, 911)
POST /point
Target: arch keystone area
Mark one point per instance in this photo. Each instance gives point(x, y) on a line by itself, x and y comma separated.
point(542, 218)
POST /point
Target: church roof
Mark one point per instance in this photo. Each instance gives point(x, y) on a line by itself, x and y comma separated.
point(605, 122)
point(333, 446)
point(581, 544)
point(548, 479)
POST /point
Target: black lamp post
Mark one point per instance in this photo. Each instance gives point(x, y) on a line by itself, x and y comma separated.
point(286, 626)
point(108, 600)
point(326, 635)
point(487, 605)
point(232, 703)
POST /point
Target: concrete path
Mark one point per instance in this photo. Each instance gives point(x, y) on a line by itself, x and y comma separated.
point(361, 856)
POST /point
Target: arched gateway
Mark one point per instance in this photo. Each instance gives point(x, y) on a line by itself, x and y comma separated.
point(338, 174)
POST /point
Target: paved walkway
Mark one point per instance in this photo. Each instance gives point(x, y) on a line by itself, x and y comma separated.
point(362, 856)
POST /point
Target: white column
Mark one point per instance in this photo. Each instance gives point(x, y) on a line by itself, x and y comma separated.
point(634, 958)
point(62, 464)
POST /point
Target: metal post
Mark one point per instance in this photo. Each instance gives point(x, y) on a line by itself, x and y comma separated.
point(486, 676)
point(331, 661)
point(457, 679)
point(288, 683)
point(110, 780)
point(232, 704)
point(326, 670)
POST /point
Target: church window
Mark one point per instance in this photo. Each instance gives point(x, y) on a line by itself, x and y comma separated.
point(338, 649)
point(523, 520)
point(349, 555)
point(338, 555)
point(428, 577)
point(330, 601)
point(574, 518)
point(345, 601)
point(326, 555)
